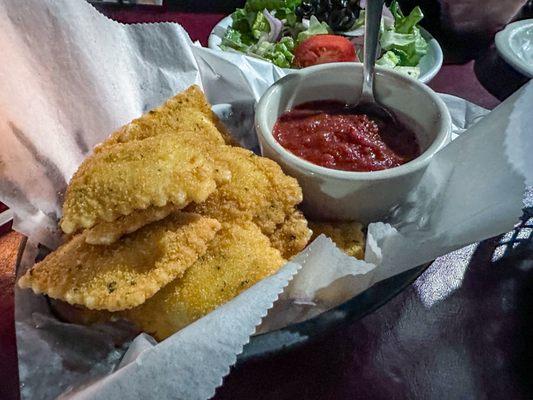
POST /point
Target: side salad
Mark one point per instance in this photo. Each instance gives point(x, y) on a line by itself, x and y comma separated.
point(299, 33)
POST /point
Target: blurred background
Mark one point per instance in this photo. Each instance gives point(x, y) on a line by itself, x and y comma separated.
point(465, 29)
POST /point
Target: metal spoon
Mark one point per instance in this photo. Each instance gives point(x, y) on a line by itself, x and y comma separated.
point(367, 103)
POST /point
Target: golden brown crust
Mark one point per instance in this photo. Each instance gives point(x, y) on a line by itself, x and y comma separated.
point(135, 175)
point(106, 233)
point(258, 191)
point(188, 112)
point(126, 273)
point(348, 236)
point(139, 257)
point(291, 236)
point(239, 256)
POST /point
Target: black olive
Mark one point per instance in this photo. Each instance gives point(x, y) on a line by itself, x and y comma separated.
point(327, 4)
point(338, 4)
point(339, 14)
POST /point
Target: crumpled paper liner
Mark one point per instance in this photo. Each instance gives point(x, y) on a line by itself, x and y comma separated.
point(73, 76)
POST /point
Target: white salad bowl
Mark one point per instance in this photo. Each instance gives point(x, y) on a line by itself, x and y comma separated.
point(429, 65)
point(331, 194)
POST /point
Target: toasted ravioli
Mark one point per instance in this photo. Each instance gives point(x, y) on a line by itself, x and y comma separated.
point(258, 190)
point(187, 112)
point(109, 232)
point(127, 272)
point(136, 175)
point(292, 235)
point(239, 256)
point(348, 236)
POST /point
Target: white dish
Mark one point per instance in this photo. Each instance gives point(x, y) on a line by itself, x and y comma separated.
point(515, 45)
point(344, 195)
point(430, 64)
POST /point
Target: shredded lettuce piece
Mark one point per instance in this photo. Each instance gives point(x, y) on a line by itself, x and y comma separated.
point(315, 28)
point(359, 22)
point(260, 5)
point(242, 20)
point(404, 38)
point(233, 39)
point(280, 53)
point(260, 26)
point(389, 60)
point(287, 15)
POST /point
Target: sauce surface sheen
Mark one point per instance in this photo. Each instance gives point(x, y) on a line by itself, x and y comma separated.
point(328, 133)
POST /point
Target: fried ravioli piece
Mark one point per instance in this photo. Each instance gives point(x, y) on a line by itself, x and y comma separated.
point(292, 235)
point(188, 112)
point(348, 236)
point(258, 191)
point(135, 175)
point(127, 272)
point(239, 256)
point(109, 232)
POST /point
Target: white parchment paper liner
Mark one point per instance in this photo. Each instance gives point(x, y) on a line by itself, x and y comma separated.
point(72, 76)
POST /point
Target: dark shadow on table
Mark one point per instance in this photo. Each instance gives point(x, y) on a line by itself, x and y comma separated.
point(473, 342)
point(498, 77)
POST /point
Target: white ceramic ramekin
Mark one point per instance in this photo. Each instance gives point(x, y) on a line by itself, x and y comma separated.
point(344, 195)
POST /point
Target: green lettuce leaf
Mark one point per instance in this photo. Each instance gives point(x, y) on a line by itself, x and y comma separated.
point(260, 26)
point(235, 40)
point(406, 24)
point(315, 28)
point(287, 15)
point(409, 47)
point(280, 53)
point(242, 20)
point(388, 60)
point(270, 5)
point(403, 38)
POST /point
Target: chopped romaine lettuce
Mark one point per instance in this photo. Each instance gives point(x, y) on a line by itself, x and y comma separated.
point(359, 22)
point(402, 23)
point(315, 28)
point(242, 20)
point(280, 53)
point(389, 60)
point(270, 5)
point(401, 43)
point(409, 47)
point(260, 26)
point(235, 40)
point(404, 38)
point(287, 15)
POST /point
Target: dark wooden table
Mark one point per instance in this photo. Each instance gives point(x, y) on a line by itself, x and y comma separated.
point(330, 368)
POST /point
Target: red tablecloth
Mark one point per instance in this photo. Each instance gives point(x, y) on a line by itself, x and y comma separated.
point(325, 370)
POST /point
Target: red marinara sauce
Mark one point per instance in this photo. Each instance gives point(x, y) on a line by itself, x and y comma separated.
point(328, 133)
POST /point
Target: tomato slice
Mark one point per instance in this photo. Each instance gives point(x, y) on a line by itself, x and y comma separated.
point(321, 49)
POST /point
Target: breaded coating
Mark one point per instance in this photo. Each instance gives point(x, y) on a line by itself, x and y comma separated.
point(109, 232)
point(258, 191)
point(238, 257)
point(292, 235)
point(127, 272)
point(348, 236)
point(135, 175)
point(188, 112)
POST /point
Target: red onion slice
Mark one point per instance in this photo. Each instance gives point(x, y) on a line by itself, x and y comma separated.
point(275, 26)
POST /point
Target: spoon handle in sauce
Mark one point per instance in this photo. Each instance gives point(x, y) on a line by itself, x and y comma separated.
point(373, 12)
